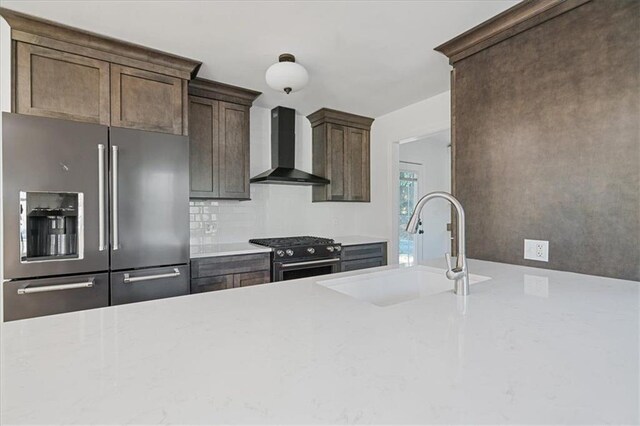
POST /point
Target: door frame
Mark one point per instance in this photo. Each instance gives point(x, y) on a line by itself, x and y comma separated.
point(395, 177)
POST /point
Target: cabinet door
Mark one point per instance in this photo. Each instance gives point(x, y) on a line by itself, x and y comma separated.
point(145, 100)
point(51, 83)
point(220, 282)
point(251, 278)
point(357, 164)
point(234, 151)
point(364, 251)
point(204, 131)
point(353, 265)
point(337, 162)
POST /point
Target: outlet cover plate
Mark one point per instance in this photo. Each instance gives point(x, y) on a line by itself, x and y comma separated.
point(536, 250)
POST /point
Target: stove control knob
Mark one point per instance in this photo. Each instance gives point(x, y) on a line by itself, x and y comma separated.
point(280, 253)
point(338, 248)
point(330, 248)
point(290, 252)
point(311, 250)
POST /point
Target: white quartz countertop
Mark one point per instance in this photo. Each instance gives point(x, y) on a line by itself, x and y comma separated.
point(229, 249)
point(527, 346)
point(354, 240)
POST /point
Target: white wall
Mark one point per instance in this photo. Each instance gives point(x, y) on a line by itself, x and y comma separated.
point(433, 155)
point(410, 123)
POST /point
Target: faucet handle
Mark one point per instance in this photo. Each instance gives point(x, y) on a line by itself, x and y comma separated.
point(447, 257)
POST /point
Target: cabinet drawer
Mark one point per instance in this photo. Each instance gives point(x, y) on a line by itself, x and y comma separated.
point(364, 251)
point(47, 296)
point(251, 278)
point(56, 84)
point(149, 284)
point(145, 100)
point(224, 265)
point(352, 265)
point(202, 285)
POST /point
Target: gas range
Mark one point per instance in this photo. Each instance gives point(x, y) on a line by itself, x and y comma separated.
point(292, 248)
point(298, 257)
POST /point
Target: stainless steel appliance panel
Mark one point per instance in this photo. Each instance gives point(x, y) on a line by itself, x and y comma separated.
point(148, 284)
point(45, 156)
point(283, 271)
point(48, 296)
point(149, 199)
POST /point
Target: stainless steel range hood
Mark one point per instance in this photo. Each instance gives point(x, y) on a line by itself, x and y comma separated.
point(283, 153)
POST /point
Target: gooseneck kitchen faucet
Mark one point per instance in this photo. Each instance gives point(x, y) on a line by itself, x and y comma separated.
point(459, 274)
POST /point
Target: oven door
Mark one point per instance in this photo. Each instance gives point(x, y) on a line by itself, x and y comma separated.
point(283, 271)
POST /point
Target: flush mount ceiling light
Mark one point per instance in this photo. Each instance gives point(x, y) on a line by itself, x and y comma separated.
point(286, 75)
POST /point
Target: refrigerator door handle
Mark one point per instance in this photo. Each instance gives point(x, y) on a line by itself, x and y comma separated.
point(58, 287)
point(101, 228)
point(114, 196)
point(129, 279)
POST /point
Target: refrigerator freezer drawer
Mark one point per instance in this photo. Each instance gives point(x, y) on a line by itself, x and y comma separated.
point(47, 296)
point(148, 284)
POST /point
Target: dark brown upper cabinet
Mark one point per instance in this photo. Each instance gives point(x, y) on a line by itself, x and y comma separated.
point(341, 153)
point(62, 72)
point(56, 84)
point(219, 140)
point(145, 100)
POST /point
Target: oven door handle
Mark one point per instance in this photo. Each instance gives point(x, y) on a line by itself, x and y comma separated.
point(310, 262)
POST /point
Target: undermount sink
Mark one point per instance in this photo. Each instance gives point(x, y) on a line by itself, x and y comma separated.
point(390, 287)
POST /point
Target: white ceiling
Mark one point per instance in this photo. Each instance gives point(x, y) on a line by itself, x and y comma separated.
point(364, 57)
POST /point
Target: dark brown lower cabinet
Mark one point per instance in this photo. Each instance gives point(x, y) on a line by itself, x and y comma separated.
point(220, 282)
point(224, 272)
point(363, 256)
point(352, 265)
point(251, 278)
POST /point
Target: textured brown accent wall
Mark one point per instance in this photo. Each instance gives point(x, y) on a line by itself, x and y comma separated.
point(547, 142)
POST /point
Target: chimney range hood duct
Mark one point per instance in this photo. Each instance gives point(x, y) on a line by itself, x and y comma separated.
point(283, 153)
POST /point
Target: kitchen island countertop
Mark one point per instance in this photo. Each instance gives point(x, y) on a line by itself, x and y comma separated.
point(527, 346)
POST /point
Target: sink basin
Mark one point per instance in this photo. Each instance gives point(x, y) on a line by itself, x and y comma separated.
point(385, 288)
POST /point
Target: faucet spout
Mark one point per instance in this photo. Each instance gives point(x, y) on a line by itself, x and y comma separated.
point(459, 274)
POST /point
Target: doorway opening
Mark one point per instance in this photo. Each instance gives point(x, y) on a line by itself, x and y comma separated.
point(409, 245)
point(424, 166)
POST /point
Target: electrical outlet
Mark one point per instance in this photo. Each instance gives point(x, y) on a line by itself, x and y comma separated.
point(536, 250)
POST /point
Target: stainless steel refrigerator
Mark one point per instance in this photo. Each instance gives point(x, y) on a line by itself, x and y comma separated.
point(93, 216)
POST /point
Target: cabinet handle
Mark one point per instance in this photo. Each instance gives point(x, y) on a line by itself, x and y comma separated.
point(101, 228)
point(129, 279)
point(114, 195)
point(58, 287)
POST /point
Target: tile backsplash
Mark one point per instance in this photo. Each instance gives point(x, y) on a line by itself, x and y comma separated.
point(223, 221)
point(273, 211)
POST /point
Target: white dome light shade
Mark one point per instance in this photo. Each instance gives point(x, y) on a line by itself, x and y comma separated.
point(286, 75)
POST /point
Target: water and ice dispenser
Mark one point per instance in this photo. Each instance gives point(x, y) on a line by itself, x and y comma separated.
point(51, 226)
